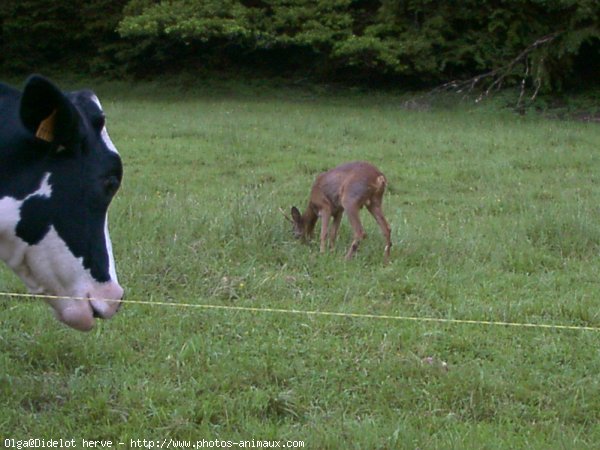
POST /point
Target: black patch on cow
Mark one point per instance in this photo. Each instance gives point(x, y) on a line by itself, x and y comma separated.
point(36, 213)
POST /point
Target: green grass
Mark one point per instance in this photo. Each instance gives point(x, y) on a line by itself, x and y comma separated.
point(495, 217)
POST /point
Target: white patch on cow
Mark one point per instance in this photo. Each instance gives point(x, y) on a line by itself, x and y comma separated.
point(55, 267)
point(12, 249)
point(45, 189)
point(104, 133)
point(111, 259)
point(96, 100)
point(109, 144)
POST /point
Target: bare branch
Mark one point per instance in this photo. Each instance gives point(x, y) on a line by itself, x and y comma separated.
point(493, 80)
point(523, 82)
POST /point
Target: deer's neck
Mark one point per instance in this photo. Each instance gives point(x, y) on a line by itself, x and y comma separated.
point(309, 218)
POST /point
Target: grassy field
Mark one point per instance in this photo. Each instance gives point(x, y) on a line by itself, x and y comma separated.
point(495, 217)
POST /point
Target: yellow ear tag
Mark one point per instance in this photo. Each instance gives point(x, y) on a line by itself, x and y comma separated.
point(46, 129)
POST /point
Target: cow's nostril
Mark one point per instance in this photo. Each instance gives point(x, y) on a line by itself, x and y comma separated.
point(95, 313)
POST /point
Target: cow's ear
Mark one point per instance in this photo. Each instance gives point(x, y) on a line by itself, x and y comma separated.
point(47, 112)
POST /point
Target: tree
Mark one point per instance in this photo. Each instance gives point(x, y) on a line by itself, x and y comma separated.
point(417, 42)
point(35, 34)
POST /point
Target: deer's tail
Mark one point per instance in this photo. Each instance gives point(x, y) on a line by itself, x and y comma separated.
point(380, 183)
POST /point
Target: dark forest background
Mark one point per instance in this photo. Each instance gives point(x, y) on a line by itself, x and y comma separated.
point(414, 43)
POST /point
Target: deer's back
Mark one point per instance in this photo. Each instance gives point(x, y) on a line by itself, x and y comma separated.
point(357, 181)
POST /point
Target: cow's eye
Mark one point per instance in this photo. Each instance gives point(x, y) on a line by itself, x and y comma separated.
point(99, 122)
point(111, 185)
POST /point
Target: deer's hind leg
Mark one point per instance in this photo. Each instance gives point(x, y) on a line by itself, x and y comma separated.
point(377, 212)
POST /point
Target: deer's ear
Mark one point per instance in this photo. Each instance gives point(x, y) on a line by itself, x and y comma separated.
point(296, 214)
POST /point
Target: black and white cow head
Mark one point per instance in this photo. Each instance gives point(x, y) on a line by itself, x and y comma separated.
point(59, 171)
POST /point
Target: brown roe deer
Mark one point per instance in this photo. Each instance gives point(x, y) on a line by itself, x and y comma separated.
point(347, 187)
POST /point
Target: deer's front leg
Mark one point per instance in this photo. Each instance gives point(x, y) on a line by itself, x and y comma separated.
point(334, 229)
point(359, 232)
